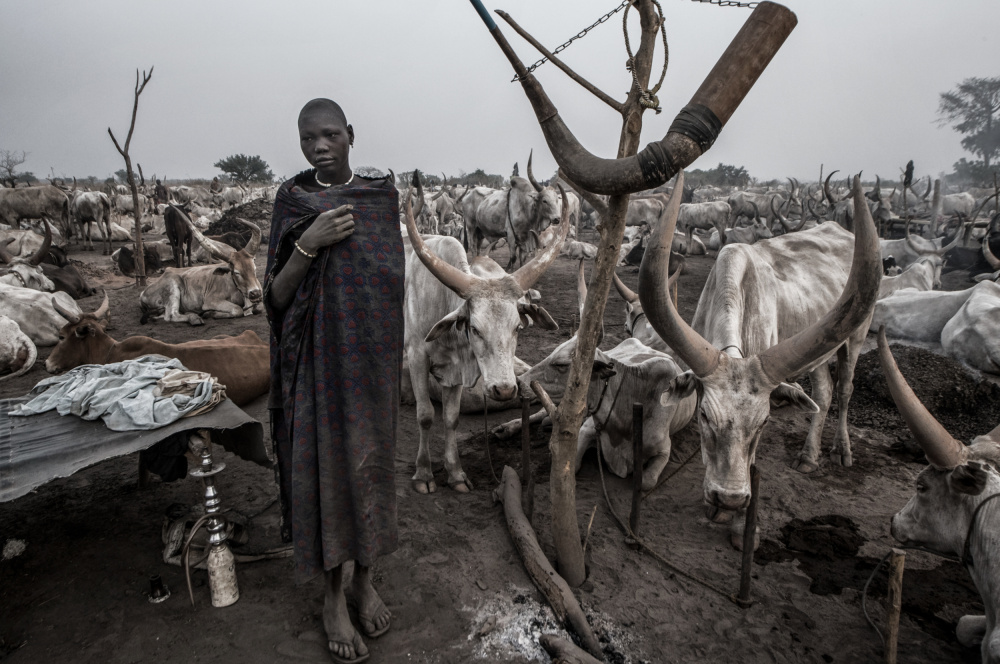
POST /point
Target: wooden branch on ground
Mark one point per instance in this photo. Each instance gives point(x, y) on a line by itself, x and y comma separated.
point(565, 652)
point(554, 587)
point(587, 85)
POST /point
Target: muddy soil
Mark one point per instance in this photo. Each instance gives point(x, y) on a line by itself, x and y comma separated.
point(457, 590)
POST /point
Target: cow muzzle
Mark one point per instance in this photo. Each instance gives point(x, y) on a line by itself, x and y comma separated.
point(255, 295)
point(502, 392)
point(727, 500)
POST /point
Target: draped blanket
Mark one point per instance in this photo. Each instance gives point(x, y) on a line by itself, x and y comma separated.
point(336, 356)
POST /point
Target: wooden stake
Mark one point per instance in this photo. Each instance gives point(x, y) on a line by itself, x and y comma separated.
point(749, 530)
point(896, 562)
point(633, 518)
point(527, 477)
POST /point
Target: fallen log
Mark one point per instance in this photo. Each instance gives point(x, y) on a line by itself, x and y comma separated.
point(554, 587)
point(565, 652)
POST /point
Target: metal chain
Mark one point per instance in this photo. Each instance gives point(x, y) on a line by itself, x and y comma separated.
point(562, 47)
point(647, 98)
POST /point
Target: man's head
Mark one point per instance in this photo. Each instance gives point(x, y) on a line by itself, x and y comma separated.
point(326, 138)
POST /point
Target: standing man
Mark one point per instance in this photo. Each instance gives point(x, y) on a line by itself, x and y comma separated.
point(335, 306)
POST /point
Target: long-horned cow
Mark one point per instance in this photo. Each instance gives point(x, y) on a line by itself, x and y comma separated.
point(954, 512)
point(186, 295)
point(93, 207)
point(461, 322)
point(766, 315)
point(44, 202)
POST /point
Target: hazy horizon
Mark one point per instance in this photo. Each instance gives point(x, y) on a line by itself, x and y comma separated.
point(855, 86)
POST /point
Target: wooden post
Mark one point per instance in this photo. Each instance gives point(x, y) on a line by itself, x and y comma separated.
point(896, 562)
point(749, 530)
point(633, 518)
point(527, 477)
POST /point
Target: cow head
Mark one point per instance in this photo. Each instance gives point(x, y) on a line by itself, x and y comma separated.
point(734, 393)
point(26, 271)
point(82, 340)
point(240, 262)
point(889, 266)
point(495, 307)
point(938, 516)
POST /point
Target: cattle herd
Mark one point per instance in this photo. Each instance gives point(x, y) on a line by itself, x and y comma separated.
point(803, 274)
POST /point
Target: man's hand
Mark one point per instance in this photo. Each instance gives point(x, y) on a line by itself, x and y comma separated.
point(328, 229)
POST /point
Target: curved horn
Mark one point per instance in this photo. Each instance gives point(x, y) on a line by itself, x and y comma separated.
point(789, 357)
point(102, 311)
point(954, 243)
point(43, 250)
point(415, 182)
point(254, 244)
point(826, 189)
point(793, 186)
point(942, 450)
point(529, 273)
point(812, 211)
point(70, 316)
point(219, 250)
point(781, 219)
point(678, 268)
point(623, 290)
point(691, 347)
point(438, 194)
point(531, 176)
point(703, 118)
point(993, 261)
point(459, 281)
point(459, 199)
point(928, 192)
point(581, 289)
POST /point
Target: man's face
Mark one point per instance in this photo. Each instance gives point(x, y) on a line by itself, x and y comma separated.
point(325, 140)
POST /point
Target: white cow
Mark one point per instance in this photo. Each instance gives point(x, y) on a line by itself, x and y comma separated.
point(972, 335)
point(17, 351)
point(34, 313)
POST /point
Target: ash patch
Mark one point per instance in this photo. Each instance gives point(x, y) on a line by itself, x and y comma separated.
point(508, 625)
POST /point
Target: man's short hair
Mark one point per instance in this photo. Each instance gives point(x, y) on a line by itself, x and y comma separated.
point(323, 105)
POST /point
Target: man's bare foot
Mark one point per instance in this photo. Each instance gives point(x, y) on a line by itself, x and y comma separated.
point(345, 643)
point(375, 618)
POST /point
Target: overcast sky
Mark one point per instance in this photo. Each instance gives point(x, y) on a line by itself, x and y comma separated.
point(855, 86)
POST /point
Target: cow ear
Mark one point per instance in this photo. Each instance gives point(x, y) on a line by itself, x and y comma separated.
point(603, 368)
point(794, 396)
point(682, 386)
point(970, 478)
point(459, 318)
point(222, 269)
point(539, 315)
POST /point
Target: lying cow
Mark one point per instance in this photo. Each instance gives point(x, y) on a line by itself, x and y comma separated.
point(209, 291)
point(972, 335)
point(34, 313)
point(240, 363)
point(953, 512)
point(25, 272)
point(924, 274)
point(17, 351)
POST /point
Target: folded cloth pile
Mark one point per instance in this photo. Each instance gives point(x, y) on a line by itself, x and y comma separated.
point(141, 394)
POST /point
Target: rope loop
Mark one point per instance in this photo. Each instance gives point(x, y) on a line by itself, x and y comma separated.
point(647, 97)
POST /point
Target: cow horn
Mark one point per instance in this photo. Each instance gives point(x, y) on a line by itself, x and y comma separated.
point(812, 210)
point(102, 311)
point(942, 450)
point(531, 176)
point(826, 189)
point(466, 191)
point(219, 250)
point(793, 187)
point(789, 357)
point(954, 243)
point(781, 219)
point(691, 347)
point(530, 272)
point(993, 261)
point(43, 250)
point(70, 316)
point(693, 131)
point(928, 192)
point(415, 182)
point(678, 266)
point(756, 212)
point(459, 281)
point(624, 290)
point(254, 244)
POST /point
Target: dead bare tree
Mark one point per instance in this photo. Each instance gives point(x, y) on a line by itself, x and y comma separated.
point(140, 272)
point(691, 134)
point(9, 161)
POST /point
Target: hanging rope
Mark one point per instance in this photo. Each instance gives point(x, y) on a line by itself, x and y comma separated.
point(647, 98)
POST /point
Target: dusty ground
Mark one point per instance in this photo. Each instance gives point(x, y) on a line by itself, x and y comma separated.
point(77, 592)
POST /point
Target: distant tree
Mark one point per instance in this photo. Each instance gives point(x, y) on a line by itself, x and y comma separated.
point(975, 173)
point(426, 179)
point(121, 176)
point(723, 175)
point(9, 161)
point(245, 168)
point(26, 177)
point(369, 172)
point(972, 108)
